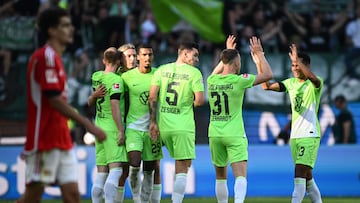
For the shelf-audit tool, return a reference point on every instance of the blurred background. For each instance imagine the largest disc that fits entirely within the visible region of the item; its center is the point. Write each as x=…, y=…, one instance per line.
x=329, y=30
x=318, y=27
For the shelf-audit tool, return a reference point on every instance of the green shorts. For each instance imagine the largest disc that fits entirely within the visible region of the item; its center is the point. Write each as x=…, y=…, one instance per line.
x=304, y=150
x=180, y=144
x=224, y=149
x=108, y=151
x=140, y=141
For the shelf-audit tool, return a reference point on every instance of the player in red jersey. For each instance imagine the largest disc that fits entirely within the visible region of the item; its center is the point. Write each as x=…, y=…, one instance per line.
x=48, y=149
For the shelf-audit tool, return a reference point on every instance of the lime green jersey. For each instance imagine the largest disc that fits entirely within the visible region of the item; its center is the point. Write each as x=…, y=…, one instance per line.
x=226, y=95
x=138, y=86
x=176, y=96
x=114, y=85
x=305, y=101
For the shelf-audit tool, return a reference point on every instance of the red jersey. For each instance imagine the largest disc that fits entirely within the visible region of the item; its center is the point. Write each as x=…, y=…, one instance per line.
x=46, y=127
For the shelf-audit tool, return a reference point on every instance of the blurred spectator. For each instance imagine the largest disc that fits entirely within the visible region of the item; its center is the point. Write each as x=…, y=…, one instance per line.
x=353, y=53
x=344, y=127
x=284, y=135
x=5, y=61
x=148, y=26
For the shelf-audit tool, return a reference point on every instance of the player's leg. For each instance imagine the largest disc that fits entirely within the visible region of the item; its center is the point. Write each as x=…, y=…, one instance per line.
x=304, y=152
x=219, y=159
x=68, y=178
x=238, y=156
x=221, y=188
x=157, y=187
x=121, y=189
x=70, y=192
x=134, y=147
x=115, y=156
x=152, y=152
x=148, y=181
x=41, y=168
x=97, y=189
x=33, y=193
x=312, y=189
x=184, y=152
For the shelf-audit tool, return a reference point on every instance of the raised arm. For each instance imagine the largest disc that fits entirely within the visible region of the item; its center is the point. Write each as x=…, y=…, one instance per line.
x=262, y=65
x=305, y=69
x=230, y=44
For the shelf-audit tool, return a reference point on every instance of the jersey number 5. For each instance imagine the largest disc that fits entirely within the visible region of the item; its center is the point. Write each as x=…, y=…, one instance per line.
x=172, y=100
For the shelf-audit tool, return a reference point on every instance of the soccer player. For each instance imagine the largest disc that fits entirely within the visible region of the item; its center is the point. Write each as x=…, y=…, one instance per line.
x=304, y=90
x=175, y=89
x=111, y=154
x=227, y=137
x=138, y=143
x=49, y=149
x=128, y=53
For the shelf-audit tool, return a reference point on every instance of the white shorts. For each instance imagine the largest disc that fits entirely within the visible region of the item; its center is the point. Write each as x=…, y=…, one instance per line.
x=52, y=167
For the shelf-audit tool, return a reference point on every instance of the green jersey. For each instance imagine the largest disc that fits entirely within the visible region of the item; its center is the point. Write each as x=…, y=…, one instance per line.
x=114, y=85
x=305, y=100
x=176, y=96
x=226, y=94
x=138, y=86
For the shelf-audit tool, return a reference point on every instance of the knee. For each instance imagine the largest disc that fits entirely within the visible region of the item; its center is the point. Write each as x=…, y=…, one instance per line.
x=97, y=191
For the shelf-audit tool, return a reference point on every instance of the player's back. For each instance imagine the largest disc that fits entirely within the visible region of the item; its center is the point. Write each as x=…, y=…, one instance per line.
x=226, y=93
x=114, y=85
x=177, y=86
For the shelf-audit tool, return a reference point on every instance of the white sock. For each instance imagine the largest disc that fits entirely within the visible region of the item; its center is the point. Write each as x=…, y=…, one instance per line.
x=135, y=183
x=119, y=197
x=240, y=188
x=179, y=188
x=146, y=186
x=313, y=191
x=299, y=190
x=111, y=184
x=221, y=191
x=156, y=193
x=97, y=189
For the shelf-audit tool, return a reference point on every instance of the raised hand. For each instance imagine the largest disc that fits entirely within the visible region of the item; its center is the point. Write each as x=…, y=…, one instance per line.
x=255, y=45
x=230, y=42
x=293, y=53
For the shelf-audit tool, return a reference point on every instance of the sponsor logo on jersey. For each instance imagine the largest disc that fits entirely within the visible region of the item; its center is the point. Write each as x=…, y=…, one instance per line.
x=51, y=76
x=116, y=86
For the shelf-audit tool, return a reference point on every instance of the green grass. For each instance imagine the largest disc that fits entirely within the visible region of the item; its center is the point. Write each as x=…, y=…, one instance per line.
x=213, y=200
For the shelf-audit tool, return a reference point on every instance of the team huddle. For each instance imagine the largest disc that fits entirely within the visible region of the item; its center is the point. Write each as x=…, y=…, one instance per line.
x=140, y=109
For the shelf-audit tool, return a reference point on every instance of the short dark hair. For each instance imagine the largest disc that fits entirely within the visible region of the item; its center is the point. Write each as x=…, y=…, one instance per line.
x=50, y=18
x=305, y=58
x=228, y=55
x=188, y=45
x=340, y=98
x=143, y=46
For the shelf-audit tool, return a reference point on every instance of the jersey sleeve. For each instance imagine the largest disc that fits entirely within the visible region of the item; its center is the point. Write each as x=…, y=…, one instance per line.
x=198, y=82
x=117, y=86
x=156, y=80
x=47, y=72
x=247, y=80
